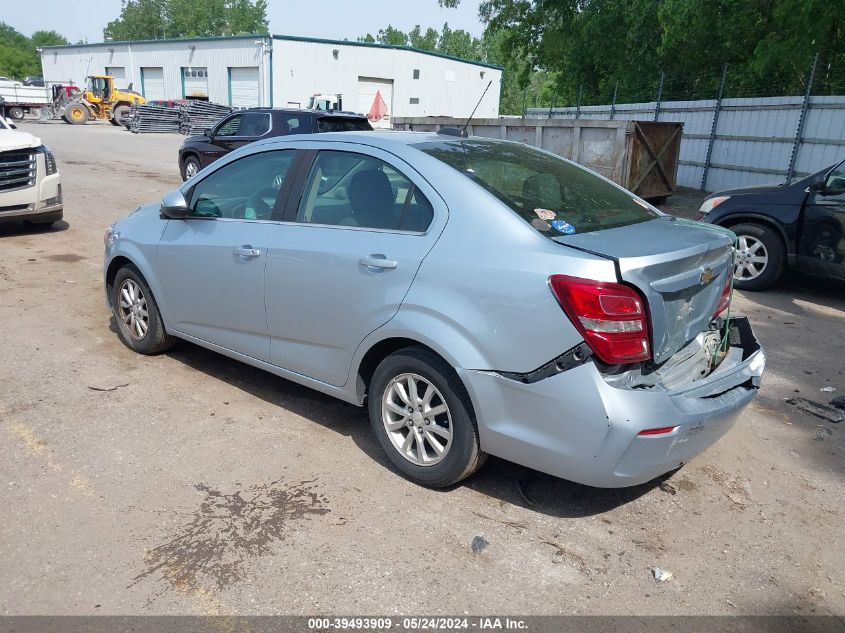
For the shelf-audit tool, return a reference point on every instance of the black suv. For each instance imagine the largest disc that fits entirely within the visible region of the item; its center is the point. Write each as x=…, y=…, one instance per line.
x=247, y=126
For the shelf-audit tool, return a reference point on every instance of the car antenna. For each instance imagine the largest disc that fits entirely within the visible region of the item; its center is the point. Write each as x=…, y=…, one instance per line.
x=464, y=128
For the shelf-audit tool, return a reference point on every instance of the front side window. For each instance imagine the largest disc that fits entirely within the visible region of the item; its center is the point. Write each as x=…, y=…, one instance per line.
x=347, y=189
x=554, y=196
x=229, y=127
x=245, y=189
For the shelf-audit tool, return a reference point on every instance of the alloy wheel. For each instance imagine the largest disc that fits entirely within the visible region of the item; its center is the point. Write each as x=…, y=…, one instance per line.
x=417, y=420
x=191, y=169
x=751, y=258
x=132, y=310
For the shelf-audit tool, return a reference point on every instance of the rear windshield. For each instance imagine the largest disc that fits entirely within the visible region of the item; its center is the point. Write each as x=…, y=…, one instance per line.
x=554, y=196
x=339, y=124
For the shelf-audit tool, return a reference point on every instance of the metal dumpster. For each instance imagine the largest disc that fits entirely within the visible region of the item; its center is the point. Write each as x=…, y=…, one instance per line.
x=642, y=156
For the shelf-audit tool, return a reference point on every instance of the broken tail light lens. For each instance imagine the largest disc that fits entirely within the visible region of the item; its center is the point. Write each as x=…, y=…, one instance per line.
x=611, y=317
x=725, y=298
x=663, y=430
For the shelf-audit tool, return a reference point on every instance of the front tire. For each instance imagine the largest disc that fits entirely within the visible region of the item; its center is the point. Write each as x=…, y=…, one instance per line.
x=77, y=115
x=139, y=322
x=190, y=167
x=423, y=419
x=760, y=256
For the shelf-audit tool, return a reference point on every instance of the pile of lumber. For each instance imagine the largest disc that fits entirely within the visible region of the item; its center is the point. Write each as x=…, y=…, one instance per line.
x=198, y=116
x=191, y=117
x=144, y=119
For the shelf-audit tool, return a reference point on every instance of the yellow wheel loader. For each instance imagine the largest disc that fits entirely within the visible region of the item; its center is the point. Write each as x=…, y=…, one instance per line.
x=101, y=101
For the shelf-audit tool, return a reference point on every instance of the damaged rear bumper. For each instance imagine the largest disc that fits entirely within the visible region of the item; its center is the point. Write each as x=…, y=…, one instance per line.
x=577, y=426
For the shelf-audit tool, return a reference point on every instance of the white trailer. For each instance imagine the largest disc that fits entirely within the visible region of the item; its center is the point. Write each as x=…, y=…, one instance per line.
x=16, y=100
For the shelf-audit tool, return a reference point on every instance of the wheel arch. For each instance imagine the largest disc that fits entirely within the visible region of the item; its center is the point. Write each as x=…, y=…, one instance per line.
x=380, y=349
x=138, y=261
x=755, y=218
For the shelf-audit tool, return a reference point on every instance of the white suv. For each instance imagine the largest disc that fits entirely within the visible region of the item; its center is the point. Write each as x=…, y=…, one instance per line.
x=30, y=184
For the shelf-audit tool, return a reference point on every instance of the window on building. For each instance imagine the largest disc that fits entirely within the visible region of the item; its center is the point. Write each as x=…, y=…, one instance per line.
x=416, y=73
x=415, y=100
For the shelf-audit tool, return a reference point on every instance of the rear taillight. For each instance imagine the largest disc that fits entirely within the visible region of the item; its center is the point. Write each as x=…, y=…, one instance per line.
x=725, y=299
x=611, y=317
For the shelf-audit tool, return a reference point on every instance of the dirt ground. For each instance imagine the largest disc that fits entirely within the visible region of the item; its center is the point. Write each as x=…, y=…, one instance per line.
x=188, y=483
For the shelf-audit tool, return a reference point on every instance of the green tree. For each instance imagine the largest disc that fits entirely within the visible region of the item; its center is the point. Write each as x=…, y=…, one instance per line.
x=457, y=43
x=157, y=19
x=425, y=41
x=48, y=38
x=139, y=20
x=391, y=35
x=592, y=47
x=19, y=54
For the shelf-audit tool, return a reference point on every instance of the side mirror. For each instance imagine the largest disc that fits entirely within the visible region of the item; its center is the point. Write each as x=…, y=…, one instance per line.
x=818, y=186
x=207, y=132
x=174, y=206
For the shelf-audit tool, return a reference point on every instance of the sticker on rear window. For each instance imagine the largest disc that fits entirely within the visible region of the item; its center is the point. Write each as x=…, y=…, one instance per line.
x=563, y=227
x=545, y=214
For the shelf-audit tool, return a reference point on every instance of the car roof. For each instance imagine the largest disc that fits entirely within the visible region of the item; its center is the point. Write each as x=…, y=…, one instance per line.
x=341, y=113
x=387, y=139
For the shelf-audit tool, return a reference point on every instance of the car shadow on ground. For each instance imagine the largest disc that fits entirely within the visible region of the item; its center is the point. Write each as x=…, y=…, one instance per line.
x=501, y=480
x=12, y=229
x=794, y=286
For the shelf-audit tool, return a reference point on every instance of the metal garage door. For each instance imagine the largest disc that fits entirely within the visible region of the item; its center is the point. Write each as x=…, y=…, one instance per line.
x=119, y=74
x=243, y=87
x=375, y=99
x=152, y=83
x=195, y=82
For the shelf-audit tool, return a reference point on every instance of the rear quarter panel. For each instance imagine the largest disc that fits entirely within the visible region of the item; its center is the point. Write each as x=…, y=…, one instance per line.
x=481, y=296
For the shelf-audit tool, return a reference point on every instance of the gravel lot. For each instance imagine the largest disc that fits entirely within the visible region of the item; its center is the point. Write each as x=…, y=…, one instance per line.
x=189, y=483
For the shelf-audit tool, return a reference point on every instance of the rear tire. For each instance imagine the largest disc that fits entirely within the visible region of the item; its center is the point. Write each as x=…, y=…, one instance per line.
x=761, y=256
x=15, y=113
x=446, y=420
x=119, y=115
x=133, y=302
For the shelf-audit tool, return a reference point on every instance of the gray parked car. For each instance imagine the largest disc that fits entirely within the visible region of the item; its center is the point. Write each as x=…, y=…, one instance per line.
x=479, y=296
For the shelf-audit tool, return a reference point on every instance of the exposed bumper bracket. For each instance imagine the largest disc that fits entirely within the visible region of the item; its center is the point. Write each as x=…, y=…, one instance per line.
x=573, y=357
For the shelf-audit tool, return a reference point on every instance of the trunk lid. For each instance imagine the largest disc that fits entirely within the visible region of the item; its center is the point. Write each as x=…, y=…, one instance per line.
x=679, y=266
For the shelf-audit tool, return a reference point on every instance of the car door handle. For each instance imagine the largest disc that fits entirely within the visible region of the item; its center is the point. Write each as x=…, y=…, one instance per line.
x=247, y=251
x=377, y=261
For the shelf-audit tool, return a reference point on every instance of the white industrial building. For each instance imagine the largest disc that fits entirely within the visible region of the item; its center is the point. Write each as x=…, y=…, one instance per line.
x=285, y=71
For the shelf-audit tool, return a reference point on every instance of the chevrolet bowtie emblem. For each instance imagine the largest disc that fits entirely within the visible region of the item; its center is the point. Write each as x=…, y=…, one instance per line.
x=706, y=277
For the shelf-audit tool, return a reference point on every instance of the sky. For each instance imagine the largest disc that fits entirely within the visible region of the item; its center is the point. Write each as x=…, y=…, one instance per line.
x=332, y=19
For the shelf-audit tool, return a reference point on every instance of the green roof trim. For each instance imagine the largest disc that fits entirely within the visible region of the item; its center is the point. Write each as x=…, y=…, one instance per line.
x=318, y=40
x=290, y=38
x=174, y=39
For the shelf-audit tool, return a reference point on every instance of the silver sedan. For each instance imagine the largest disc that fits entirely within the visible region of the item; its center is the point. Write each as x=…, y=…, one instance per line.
x=478, y=296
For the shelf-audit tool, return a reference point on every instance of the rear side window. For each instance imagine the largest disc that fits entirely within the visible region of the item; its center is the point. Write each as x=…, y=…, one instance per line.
x=339, y=124
x=254, y=124
x=296, y=125
x=556, y=197
x=348, y=189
